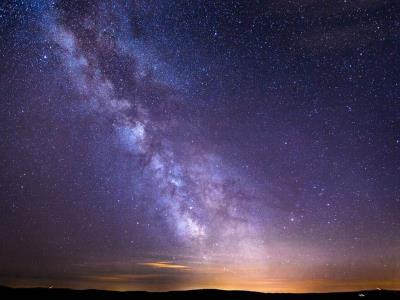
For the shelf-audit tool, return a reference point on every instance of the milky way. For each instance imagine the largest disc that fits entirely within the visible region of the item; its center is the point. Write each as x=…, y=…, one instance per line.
x=160, y=145
x=193, y=192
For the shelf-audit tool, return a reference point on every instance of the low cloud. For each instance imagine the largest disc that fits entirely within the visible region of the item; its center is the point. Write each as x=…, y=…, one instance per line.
x=163, y=265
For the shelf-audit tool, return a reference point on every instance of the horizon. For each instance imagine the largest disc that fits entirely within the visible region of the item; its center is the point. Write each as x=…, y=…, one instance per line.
x=194, y=290
x=171, y=145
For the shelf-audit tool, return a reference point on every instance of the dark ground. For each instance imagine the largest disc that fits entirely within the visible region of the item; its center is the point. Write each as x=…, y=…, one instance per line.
x=42, y=293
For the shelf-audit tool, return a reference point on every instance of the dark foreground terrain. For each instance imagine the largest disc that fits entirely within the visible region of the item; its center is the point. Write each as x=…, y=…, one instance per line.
x=42, y=293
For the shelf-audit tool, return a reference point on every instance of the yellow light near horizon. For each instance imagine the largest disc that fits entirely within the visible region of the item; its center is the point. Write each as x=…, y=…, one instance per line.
x=163, y=265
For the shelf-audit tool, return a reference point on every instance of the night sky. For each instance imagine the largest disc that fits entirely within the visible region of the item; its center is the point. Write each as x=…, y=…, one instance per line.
x=163, y=145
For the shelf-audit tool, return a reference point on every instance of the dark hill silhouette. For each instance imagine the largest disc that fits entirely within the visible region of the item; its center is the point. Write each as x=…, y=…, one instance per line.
x=43, y=293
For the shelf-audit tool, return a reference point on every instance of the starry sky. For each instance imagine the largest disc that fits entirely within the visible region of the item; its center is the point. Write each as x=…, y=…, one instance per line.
x=168, y=145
